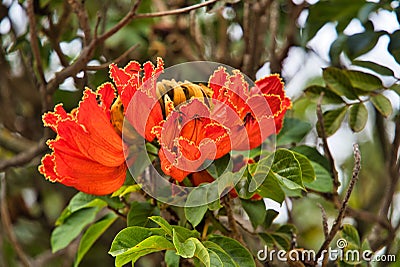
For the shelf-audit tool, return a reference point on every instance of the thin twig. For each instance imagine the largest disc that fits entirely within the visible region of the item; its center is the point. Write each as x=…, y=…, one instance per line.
x=337, y=224
x=81, y=13
x=7, y=226
x=324, y=220
x=34, y=42
x=175, y=11
x=231, y=219
x=334, y=172
x=116, y=61
x=25, y=156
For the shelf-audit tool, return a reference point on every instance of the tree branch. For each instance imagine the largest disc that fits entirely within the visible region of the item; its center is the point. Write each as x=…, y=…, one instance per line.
x=25, y=156
x=327, y=151
x=7, y=226
x=337, y=224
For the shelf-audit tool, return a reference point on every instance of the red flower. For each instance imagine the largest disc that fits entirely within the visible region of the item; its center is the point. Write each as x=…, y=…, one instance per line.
x=252, y=114
x=138, y=85
x=188, y=137
x=194, y=123
x=87, y=152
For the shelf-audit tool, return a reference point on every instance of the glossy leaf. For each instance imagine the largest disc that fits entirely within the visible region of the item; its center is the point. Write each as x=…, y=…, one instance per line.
x=307, y=170
x=358, y=117
x=394, y=45
x=163, y=224
x=329, y=96
x=293, y=131
x=149, y=245
x=380, y=69
x=340, y=11
x=196, y=205
x=360, y=43
x=338, y=82
x=171, y=258
x=240, y=255
x=323, y=182
x=218, y=257
x=65, y=233
x=271, y=189
x=130, y=237
x=287, y=168
x=350, y=234
x=395, y=87
x=140, y=212
x=191, y=247
x=337, y=48
x=126, y=189
x=382, y=104
x=256, y=211
x=92, y=234
x=312, y=154
x=332, y=120
x=270, y=217
x=364, y=81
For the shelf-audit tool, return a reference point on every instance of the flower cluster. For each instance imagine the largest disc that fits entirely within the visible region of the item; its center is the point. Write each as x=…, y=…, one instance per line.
x=190, y=123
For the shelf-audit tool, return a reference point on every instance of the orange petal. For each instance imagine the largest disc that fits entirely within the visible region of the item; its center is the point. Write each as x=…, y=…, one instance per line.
x=47, y=168
x=217, y=81
x=271, y=84
x=106, y=91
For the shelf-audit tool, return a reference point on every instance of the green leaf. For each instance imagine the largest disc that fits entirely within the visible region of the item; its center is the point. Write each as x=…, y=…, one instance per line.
x=271, y=189
x=82, y=201
x=92, y=234
x=278, y=240
x=394, y=45
x=382, y=104
x=395, y=87
x=312, y=154
x=139, y=213
x=130, y=237
x=293, y=131
x=364, y=81
x=374, y=67
x=65, y=233
x=340, y=11
x=191, y=247
x=287, y=169
x=126, y=189
x=218, y=257
x=240, y=255
x=171, y=258
x=270, y=217
x=149, y=245
x=307, y=170
x=332, y=121
x=256, y=211
x=323, y=182
x=329, y=96
x=358, y=117
x=195, y=214
x=337, y=48
x=163, y=224
x=184, y=233
x=219, y=166
x=350, y=234
x=338, y=82
x=184, y=249
x=197, y=205
x=360, y=43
